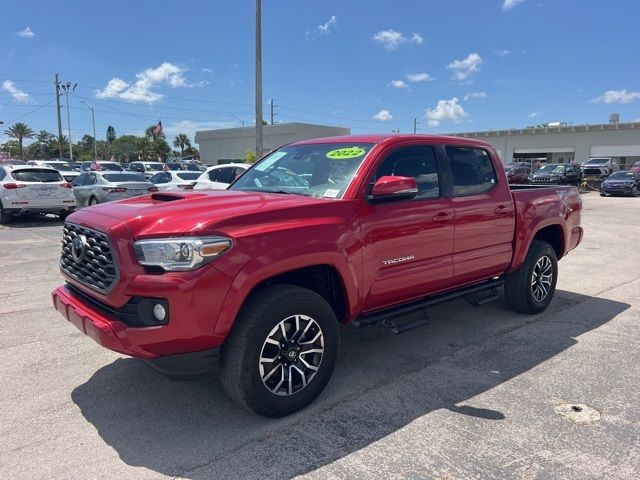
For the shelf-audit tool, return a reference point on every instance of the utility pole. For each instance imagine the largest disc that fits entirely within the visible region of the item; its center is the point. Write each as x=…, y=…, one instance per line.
x=95, y=140
x=415, y=124
x=272, y=110
x=57, y=82
x=259, y=137
x=66, y=87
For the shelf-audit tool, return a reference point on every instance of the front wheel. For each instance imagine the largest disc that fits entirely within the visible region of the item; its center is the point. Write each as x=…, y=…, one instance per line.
x=281, y=352
x=5, y=217
x=531, y=288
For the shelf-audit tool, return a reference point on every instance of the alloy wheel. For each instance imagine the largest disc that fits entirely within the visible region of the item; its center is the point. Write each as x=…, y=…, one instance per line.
x=291, y=355
x=542, y=278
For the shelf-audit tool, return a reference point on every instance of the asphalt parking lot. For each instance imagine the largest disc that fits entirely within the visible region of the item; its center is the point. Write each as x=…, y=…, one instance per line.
x=477, y=393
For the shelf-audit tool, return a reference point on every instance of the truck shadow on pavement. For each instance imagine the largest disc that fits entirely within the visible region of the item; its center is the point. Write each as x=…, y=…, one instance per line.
x=382, y=383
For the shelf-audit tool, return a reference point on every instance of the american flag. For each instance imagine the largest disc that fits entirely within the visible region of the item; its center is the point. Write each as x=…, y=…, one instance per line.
x=158, y=129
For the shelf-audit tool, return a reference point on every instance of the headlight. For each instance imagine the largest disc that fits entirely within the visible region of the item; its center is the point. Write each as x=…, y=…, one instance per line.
x=180, y=254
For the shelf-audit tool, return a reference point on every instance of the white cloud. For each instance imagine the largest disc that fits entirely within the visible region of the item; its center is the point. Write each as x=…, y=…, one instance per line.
x=534, y=114
x=26, y=33
x=475, y=95
x=504, y=52
x=17, y=94
x=383, y=115
x=190, y=127
x=398, y=84
x=509, y=4
x=463, y=68
x=142, y=90
x=617, y=96
x=331, y=24
x=206, y=70
x=392, y=39
x=446, y=111
x=419, y=77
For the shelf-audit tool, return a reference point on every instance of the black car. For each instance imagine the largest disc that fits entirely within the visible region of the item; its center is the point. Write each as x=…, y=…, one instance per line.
x=621, y=183
x=557, y=174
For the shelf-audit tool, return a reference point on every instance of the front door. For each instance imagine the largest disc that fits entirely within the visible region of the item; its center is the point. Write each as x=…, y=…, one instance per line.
x=407, y=244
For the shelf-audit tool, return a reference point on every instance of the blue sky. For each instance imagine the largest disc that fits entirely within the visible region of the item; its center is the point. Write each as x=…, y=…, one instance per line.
x=370, y=65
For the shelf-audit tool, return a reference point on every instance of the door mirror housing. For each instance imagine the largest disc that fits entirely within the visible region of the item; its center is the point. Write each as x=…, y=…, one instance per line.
x=393, y=187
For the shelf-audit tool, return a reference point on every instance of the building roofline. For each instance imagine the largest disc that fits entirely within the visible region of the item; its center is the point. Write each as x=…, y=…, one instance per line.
x=598, y=127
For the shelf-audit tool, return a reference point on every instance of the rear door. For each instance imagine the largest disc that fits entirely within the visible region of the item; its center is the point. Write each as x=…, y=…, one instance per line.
x=484, y=216
x=407, y=244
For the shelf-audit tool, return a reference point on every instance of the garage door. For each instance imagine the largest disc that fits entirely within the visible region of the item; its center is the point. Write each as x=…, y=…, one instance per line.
x=616, y=151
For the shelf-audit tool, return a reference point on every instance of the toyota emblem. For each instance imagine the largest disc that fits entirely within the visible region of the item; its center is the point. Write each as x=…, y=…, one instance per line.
x=79, y=248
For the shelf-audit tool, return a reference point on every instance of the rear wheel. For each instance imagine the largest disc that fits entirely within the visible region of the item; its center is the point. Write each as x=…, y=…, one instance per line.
x=93, y=201
x=5, y=217
x=531, y=288
x=281, y=352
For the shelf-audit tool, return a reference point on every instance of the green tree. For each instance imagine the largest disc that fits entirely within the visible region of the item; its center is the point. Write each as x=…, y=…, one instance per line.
x=124, y=147
x=250, y=156
x=111, y=134
x=181, y=141
x=41, y=147
x=19, y=131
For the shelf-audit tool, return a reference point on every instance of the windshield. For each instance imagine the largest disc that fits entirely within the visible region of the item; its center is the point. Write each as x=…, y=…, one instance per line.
x=188, y=175
x=597, y=161
x=317, y=170
x=37, y=175
x=110, y=166
x=154, y=167
x=551, y=169
x=64, y=167
x=123, y=177
x=192, y=167
x=621, y=176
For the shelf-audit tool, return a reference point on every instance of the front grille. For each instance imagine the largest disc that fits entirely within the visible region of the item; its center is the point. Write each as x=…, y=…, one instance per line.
x=592, y=171
x=97, y=270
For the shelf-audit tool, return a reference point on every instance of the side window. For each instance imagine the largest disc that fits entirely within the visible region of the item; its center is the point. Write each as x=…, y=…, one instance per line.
x=92, y=179
x=472, y=171
x=226, y=175
x=79, y=180
x=212, y=174
x=2, y=174
x=416, y=162
x=160, y=177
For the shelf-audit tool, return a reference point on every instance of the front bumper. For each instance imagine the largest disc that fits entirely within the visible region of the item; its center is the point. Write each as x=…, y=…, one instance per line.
x=616, y=191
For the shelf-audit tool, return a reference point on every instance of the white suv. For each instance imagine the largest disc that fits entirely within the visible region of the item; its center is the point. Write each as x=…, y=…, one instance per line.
x=28, y=189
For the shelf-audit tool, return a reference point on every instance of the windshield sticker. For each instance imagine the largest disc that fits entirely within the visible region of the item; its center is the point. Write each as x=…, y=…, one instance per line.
x=344, y=153
x=270, y=160
x=331, y=193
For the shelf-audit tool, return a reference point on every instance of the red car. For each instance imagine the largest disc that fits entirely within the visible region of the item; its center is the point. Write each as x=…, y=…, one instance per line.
x=517, y=174
x=360, y=229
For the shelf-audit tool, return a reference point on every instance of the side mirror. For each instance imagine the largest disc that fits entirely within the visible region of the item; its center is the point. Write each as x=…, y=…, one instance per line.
x=392, y=187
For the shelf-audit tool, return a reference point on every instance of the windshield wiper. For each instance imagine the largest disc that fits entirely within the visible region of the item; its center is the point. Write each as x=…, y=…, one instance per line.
x=280, y=191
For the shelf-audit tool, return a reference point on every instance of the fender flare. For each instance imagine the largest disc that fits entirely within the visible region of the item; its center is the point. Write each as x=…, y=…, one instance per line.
x=523, y=244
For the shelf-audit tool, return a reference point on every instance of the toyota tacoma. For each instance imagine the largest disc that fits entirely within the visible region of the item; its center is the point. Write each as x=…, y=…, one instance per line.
x=369, y=229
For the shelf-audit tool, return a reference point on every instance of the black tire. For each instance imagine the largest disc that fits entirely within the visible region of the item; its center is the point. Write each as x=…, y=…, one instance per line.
x=5, y=217
x=519, y=289
x=603, y=194
x=92, y=201
x=240, y=354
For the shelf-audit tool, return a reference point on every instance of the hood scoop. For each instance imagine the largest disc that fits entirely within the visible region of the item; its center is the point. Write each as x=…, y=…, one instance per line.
x=166, y=197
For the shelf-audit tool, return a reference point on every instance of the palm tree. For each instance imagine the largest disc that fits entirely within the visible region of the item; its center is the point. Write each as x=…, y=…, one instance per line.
x=19, y=131
x=182, y=141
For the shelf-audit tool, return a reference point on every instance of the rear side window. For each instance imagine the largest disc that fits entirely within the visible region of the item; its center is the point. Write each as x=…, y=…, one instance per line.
x=80, y=180
x=416, y=162
x=2, y=173
x=37, y=175
x=472, y=171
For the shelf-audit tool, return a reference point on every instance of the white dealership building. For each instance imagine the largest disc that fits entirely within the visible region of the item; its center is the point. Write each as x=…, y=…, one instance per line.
x=231, y=144
x=565, y=143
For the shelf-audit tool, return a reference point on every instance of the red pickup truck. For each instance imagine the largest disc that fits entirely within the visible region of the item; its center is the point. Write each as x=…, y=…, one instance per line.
x=369, y=229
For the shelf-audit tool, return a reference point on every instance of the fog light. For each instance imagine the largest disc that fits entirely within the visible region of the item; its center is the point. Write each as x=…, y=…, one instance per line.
x=159, y=312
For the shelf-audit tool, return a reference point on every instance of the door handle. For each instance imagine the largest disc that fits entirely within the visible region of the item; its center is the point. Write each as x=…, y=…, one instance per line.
x=502, y=210
x=443, y=217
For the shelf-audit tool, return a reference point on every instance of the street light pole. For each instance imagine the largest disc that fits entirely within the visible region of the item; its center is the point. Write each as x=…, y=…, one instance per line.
x=95, y=140
x=239, y=119
x=259, y=137
x=66, y=87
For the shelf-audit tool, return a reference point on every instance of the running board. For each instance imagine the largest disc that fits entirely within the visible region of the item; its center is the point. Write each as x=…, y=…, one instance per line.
x=406, y=317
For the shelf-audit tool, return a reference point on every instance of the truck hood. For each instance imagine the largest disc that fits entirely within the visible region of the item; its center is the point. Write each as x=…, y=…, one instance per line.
x=171, y=214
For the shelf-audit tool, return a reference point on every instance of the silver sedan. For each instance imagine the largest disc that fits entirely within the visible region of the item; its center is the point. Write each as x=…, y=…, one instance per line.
x=92, y=188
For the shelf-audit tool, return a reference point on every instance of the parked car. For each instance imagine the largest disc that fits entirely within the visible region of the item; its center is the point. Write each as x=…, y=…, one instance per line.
x=146, y=169
x=557, y=174
x=65, y=168
x=26, y=189
x=188, y=166
x=517, y=173
x=219, y=177
x=11, y=162
x=102, y=165
x=636, y=167
x=600, y=167
x=383, y=227
x=175, y=180
x=621, y=183
x=91, y=188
